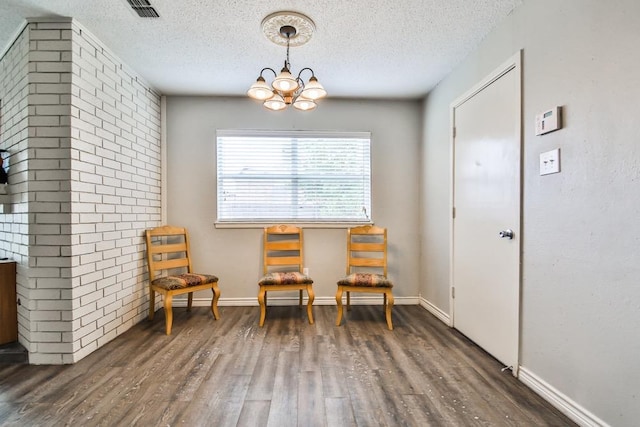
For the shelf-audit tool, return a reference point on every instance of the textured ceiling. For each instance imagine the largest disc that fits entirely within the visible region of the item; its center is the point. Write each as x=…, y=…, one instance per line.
x=361, y=48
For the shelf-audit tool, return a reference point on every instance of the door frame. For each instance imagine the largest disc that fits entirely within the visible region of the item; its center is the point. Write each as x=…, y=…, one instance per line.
x=513, y=63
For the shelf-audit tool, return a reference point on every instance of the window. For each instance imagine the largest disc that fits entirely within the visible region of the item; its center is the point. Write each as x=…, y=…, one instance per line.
x=293, y=176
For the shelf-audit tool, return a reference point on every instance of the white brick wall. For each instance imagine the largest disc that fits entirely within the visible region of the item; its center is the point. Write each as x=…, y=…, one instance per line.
x=91, y=184
x=50, y=201
x=115, y=151
x=14, y=113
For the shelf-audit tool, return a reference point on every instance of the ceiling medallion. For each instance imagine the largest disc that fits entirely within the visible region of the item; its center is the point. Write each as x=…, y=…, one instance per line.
x=304, y=26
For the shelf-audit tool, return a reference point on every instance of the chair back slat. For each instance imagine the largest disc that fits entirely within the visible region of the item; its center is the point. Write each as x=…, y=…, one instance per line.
x=167, y=230
x=283, y=260
x=169, y=248
x=366, y=262
x=367, y=230
x=367, y=247
x=283, y=247
x=171, y=263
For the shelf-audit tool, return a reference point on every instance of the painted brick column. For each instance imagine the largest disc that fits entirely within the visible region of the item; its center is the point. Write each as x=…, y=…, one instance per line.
x=50, y=240
x=115, y=183
x=84, y=134
x=14, y=132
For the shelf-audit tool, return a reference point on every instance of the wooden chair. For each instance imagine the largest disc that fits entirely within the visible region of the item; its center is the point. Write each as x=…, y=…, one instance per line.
x=366, y=252
x=168, y=252
x=283, y=264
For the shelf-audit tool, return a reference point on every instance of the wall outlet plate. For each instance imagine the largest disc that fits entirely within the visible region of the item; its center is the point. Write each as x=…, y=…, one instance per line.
x=550, y=162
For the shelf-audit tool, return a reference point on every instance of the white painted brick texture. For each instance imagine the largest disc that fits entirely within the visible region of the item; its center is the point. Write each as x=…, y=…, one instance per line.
x=14, y=224
x=115, y=150
x=49, y=191
x=84, y=133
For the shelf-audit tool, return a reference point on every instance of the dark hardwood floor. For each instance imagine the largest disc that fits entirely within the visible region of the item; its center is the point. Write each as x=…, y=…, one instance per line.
x=230, y=372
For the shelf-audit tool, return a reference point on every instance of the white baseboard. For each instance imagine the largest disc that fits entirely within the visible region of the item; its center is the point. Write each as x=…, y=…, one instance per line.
x=272, y=300
x=444, y=317
x=376, y=300
x=563, y=403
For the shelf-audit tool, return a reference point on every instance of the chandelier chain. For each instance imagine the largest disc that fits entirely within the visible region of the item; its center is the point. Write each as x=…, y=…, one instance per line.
x=288, y=63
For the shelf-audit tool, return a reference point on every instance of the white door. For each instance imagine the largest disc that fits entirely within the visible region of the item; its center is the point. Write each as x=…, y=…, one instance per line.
x=486, y=199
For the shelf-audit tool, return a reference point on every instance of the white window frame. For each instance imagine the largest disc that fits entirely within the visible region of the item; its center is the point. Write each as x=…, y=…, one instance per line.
x=230, y=222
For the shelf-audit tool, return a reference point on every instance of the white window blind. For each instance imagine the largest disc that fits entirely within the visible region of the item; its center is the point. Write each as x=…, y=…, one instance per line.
x=293, y=176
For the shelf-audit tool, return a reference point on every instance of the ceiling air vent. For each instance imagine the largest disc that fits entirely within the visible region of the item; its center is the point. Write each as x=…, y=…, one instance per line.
x=143, y=8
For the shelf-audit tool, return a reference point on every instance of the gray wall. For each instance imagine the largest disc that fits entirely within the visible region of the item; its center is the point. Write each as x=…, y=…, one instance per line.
x=235, y=254
x=581, y=244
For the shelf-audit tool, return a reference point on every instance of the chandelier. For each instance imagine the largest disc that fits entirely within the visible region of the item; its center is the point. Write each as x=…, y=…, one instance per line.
x=287, y=29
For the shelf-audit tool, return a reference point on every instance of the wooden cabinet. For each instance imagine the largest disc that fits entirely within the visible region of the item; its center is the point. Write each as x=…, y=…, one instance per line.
x=8, y=305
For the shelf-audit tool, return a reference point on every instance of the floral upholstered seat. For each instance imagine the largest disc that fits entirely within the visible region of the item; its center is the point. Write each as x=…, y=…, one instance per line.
x=371, y=280
x=285, y=278
x=183, y=281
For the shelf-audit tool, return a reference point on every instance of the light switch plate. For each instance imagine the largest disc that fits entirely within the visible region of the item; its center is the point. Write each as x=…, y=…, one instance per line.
x=550, y=162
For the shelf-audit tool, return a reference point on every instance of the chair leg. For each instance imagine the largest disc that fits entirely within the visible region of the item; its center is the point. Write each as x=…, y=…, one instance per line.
x=189, y=301
x=387, y=308
x=214, y=301
x=152, y=303
x=348, y=301
x=262, y=300
x=300, y=301
x=339, y=302
x=168, y=312
x=309, y=303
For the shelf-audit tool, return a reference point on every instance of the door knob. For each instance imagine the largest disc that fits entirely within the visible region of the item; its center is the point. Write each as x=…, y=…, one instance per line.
x=508, y=233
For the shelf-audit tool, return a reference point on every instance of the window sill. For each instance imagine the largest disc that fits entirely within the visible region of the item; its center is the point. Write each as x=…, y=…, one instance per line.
x=298, y=224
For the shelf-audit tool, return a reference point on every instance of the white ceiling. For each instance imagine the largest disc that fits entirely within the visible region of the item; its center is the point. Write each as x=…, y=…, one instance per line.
x=361, y=48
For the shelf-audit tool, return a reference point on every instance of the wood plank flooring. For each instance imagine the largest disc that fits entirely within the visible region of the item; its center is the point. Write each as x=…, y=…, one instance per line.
x=230, y=372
